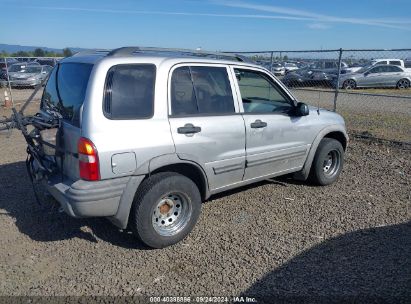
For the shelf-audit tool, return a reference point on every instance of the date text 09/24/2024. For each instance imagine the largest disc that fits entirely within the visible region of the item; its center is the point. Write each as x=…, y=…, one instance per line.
x=202, y=300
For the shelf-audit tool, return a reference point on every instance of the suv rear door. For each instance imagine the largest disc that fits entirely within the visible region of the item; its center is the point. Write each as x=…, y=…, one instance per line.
x=205, y=123
x=277, y=141
x=65, y=93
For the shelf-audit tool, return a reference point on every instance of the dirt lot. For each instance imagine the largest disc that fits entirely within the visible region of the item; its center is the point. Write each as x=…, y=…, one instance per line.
x=277, y=238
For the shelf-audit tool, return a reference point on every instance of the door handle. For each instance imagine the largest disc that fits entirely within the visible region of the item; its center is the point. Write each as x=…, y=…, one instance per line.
x=258, y=124
x=188, y=129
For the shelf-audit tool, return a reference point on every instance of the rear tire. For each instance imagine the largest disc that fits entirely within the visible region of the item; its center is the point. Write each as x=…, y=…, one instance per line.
x=403, y=84
x=328, y=162
x=165, y=209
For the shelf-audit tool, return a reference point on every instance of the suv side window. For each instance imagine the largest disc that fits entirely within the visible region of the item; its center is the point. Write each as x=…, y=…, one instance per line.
x=201, y=90
x=378, y=69
x=129, y=91
x=260, y=94
x=396, y=62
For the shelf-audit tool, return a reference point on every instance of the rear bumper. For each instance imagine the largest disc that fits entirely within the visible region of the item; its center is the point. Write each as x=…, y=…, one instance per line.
x=88, y=199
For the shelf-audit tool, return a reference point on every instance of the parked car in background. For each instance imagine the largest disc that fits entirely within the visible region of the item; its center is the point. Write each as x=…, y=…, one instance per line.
x=30, y=75
x=26, y=59
x=47, y=61
x=398, y=62
x=289, y=66
x=352, y=68
x=278, y=69
x=6, y=62
x=328, y=66
x=14, y=68
x=376, y=76
x=308, y=77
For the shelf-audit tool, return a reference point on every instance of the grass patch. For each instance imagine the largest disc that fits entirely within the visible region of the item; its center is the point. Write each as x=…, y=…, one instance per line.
x=390, y=126
x=388, y=91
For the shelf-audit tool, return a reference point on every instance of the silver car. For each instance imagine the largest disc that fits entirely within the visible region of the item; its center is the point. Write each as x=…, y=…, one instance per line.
x=375, y=76
x=26, y=75
x=146, y=136
x=278, y=69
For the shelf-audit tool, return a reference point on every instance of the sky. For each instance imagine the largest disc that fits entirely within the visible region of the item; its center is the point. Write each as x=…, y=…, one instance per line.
x=220, y=25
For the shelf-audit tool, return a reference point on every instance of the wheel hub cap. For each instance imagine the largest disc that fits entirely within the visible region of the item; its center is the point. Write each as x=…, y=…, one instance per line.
x=331, y=163
x=171, y=214
x=165, y=208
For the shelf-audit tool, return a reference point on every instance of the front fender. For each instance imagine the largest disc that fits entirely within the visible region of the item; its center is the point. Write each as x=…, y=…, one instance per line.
x=305, y=171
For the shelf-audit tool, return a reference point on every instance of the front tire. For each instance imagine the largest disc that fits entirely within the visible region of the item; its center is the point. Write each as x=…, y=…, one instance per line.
x=349, y=84
x=328, y=162
x=165, y=209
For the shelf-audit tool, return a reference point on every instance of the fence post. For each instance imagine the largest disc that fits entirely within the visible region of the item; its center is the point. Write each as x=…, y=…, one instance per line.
x=337, y=86
x=8, y=81
x=271, y=62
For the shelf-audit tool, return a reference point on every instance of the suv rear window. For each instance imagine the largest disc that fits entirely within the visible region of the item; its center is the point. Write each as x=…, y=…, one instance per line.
x=66, y=89
x=129, y=91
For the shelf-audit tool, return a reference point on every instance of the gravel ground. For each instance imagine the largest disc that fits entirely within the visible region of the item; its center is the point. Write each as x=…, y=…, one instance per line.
x=276, y=239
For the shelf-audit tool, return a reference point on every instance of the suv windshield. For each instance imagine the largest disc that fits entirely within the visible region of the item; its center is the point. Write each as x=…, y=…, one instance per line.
x=31, y=69
x=16, y=68
x=364, y=69
x=66, y=89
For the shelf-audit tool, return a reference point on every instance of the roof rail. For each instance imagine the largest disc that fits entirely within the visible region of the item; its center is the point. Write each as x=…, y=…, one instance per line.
x=127, y=51
x=92, y=52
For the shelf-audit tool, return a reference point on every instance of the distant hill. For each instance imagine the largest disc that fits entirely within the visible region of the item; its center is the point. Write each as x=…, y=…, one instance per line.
x=12, y=48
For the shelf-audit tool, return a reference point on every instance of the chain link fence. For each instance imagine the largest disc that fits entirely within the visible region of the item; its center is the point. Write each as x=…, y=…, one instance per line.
x=370, y=88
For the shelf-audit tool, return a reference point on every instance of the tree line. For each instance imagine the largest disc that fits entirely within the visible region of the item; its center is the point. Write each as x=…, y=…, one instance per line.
x=39, y=52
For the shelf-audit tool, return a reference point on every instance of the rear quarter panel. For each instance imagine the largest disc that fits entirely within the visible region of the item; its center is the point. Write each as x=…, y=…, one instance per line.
x=146, y=138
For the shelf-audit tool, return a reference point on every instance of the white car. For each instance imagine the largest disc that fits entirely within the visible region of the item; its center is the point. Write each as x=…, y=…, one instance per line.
x=288, y=66
x=278, y=69
x=398, y=62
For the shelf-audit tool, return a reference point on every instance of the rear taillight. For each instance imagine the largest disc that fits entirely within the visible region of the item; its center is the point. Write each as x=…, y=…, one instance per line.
x=88, y=160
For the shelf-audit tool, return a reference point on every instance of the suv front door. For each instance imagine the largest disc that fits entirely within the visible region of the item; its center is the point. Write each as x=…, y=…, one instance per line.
x=205, y=122
x=277, y=141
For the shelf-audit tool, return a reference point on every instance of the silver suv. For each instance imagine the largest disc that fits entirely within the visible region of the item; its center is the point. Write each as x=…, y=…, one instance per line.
x=146, y=135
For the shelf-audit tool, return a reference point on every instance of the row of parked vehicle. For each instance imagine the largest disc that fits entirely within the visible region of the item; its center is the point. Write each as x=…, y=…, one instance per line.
x=26, y=72
x=375, y=73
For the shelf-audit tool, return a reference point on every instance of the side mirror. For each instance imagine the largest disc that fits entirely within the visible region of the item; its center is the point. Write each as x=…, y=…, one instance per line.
x=302, y=109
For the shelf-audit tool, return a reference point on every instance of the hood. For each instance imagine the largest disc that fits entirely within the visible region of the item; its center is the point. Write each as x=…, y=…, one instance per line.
x=349, y=75
x=18, y=75
x=327, y=115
